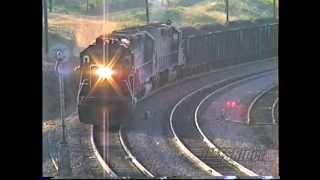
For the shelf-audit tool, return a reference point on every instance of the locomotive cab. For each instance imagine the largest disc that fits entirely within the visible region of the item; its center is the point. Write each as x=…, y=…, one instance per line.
x=103, y=95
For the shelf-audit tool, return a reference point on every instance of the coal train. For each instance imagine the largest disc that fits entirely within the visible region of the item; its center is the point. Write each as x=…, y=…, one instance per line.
x=121, y=67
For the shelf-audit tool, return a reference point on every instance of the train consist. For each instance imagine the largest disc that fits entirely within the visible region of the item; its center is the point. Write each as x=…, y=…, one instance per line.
x=121, y=67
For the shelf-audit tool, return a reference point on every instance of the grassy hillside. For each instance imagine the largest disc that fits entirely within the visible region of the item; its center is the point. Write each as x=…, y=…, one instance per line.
x=94, y=7
x=82, y=29
x=194, y=13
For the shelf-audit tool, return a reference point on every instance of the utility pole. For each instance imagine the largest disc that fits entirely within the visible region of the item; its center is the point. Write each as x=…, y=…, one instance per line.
x=45, y=16
x=64, y=164
x=227, y=10
x=147, y=11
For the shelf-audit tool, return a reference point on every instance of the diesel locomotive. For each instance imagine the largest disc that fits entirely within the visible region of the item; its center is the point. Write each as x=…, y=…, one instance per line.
x=118, y=68
x=121, y=67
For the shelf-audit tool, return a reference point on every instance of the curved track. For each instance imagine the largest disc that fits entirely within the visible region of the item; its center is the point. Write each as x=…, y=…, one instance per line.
x=115, y=154
x=261, y=110
x=188, y=135
x=52, y=151
x=227, y=128
x=151, y=141
x=275, y=107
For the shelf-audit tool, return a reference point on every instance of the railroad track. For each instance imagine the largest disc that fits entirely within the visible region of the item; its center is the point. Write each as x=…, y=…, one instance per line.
x=190, y=140
x=51, y=148
x=262, y=119
x=275, y=116
x=118, y=161
x=52, y=154
x=262, y=109
x=129, y=160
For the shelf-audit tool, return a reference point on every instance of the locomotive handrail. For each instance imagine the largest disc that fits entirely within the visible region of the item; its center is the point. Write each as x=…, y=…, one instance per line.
x=79, y=88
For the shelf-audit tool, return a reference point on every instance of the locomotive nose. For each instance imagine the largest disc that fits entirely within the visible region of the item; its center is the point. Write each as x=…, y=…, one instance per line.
x=104, y=72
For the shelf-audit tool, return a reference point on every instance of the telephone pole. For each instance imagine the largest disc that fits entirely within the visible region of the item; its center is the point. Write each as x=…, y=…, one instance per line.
x=147, y=11
x=227, y=10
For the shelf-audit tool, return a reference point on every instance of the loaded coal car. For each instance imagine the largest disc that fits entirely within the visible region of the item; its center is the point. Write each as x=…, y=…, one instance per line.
x=230, y=43
x=121, y=67
x=216, y=45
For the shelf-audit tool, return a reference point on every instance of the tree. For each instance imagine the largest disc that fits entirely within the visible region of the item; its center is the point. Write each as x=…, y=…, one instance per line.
x=87, y=6
x=99, y=2
x=50, y=5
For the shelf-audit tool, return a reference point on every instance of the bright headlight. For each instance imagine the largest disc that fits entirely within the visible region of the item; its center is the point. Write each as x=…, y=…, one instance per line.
x=104, y=72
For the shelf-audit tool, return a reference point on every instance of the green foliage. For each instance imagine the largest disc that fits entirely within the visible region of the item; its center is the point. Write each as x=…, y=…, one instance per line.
x=99, y=2
x=187, y=2
x=266, y=2
x=125, y=4
x=173, y=14
x=79, y=7
x=68, y=7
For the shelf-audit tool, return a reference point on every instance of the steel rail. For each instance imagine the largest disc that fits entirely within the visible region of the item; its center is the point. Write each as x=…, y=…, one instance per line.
x=133, y=158
x=210, y=143
x=254, y=101
x=273, y=110
x=179, y=142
